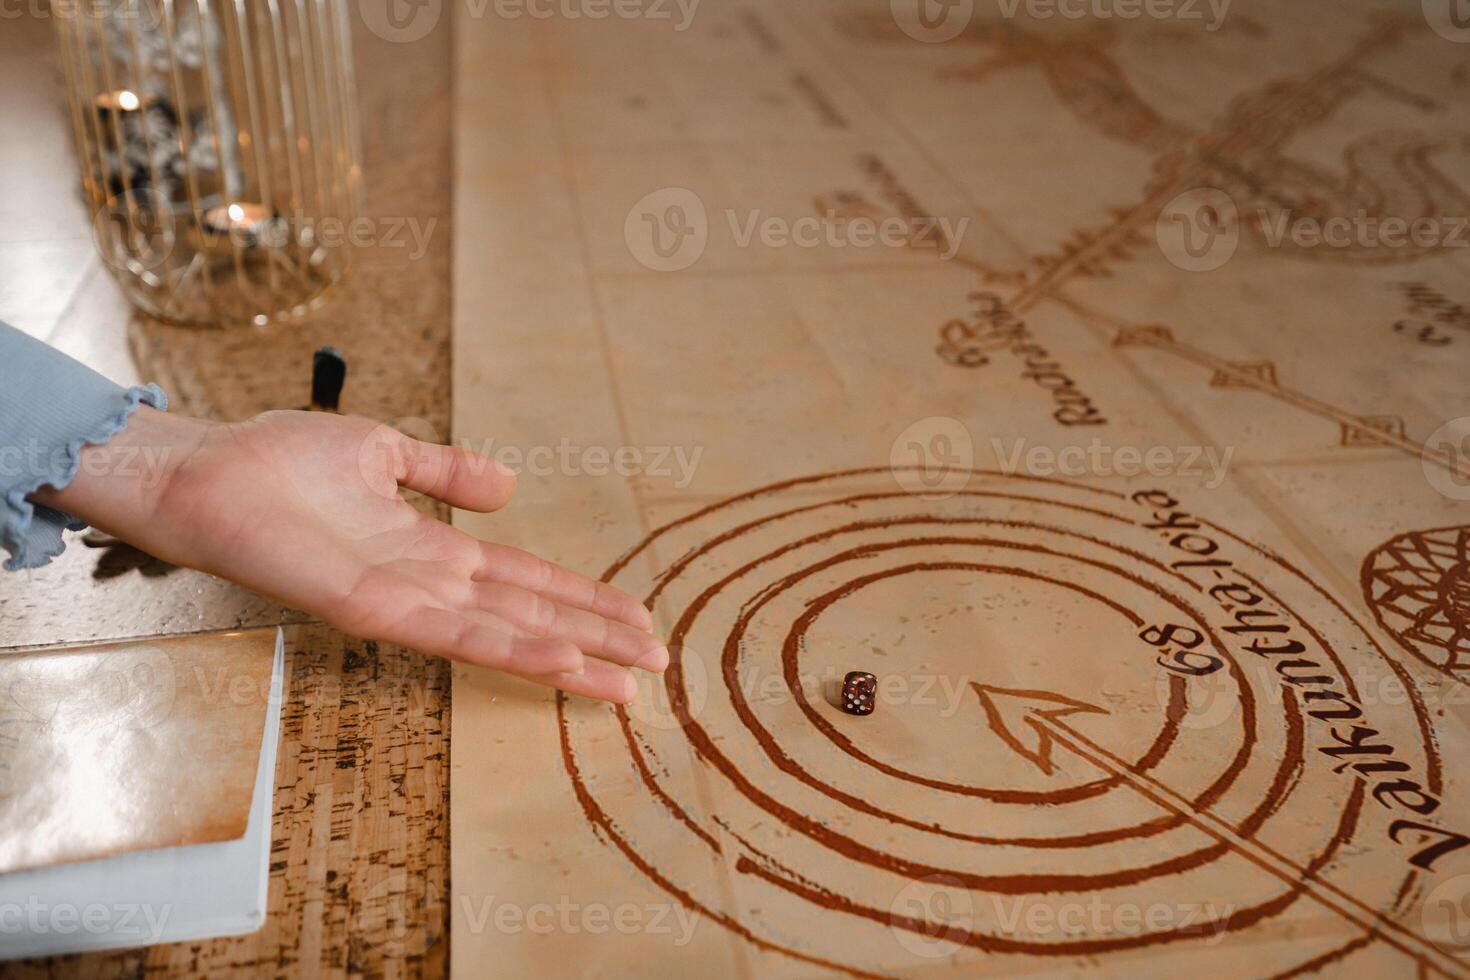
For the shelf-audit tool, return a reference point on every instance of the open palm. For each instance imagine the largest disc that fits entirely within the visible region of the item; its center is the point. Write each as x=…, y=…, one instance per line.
x=307, y=508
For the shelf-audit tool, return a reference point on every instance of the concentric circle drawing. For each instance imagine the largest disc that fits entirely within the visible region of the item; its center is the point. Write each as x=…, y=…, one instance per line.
x=1024, y=753
x=1418, y=586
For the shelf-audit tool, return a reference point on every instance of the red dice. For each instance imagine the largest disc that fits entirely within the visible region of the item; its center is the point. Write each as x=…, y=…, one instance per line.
x=859, y=693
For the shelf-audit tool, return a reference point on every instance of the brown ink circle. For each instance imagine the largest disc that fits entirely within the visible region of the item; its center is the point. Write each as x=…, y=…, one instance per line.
x=746, y=858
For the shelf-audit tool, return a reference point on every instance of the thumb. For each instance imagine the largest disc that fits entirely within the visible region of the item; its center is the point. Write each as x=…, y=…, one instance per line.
x=459, y=477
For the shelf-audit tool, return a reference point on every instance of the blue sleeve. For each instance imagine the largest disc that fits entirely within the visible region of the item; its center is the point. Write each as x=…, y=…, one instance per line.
x=50, y=407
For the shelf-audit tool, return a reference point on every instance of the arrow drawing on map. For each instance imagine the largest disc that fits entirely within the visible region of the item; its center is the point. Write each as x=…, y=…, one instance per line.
x=1032, y=724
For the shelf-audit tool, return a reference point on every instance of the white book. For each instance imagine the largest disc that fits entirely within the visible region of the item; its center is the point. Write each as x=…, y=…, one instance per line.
x=110, y=750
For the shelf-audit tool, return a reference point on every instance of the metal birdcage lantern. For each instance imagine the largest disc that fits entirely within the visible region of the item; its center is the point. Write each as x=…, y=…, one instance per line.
x=218, y=147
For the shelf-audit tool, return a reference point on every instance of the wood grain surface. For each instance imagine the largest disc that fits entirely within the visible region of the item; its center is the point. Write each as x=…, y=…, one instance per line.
x=359, y=869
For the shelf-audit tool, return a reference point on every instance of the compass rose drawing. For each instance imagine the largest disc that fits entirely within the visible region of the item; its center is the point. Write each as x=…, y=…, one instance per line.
x=1418, y=585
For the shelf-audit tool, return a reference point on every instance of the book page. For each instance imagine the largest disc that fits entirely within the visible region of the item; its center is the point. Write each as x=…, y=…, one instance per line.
x=127, y=746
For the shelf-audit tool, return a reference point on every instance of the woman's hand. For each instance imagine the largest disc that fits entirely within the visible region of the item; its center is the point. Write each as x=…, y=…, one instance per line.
x=305, y=508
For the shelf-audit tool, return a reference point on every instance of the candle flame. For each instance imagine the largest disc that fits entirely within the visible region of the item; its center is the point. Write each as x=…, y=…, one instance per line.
x=235, y=212
x=127, y=101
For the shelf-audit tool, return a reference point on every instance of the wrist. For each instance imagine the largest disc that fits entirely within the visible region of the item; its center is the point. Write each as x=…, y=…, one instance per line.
x=118, y=482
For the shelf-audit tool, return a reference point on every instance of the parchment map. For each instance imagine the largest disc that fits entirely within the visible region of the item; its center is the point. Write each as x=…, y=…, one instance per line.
x=1099, y=384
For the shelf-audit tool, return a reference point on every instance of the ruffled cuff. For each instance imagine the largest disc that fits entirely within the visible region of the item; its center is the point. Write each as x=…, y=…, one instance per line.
x=50, y=408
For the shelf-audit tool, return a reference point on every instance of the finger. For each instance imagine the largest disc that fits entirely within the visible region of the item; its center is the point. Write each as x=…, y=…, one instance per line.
x=595, y=635
x=516, y=567
x=601, y=680
x=484, y=641
x=456, y=476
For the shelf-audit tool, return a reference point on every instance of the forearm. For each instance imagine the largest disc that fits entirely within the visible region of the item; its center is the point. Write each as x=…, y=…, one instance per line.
x=118, y=484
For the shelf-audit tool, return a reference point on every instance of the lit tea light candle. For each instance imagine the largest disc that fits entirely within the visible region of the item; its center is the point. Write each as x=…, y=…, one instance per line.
x=244, y=221
x=123, y=100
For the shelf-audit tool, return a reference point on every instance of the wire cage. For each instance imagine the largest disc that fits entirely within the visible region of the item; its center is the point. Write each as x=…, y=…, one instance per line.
x=218, y=143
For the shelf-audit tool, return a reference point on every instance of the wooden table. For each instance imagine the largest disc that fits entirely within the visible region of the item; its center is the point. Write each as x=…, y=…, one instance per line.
x=360, y=854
